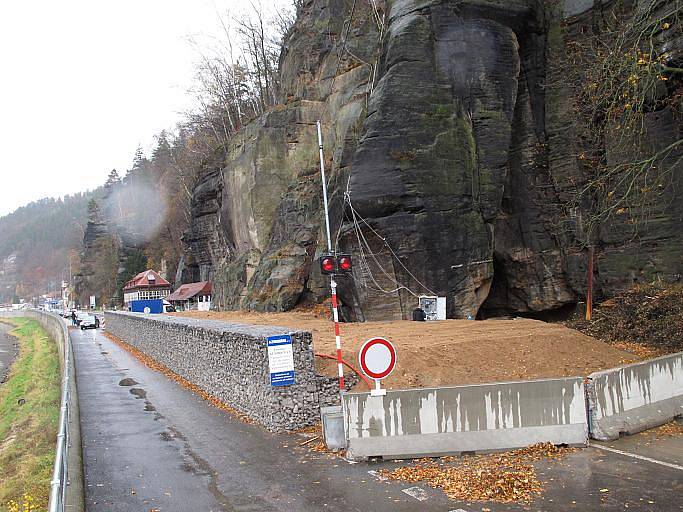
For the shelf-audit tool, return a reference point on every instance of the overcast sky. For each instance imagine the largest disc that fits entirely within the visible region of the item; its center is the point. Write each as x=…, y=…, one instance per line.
x=85, y=82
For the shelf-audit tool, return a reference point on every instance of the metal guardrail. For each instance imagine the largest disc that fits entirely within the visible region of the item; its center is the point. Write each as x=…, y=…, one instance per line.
x=66, y=486
x=60, y=474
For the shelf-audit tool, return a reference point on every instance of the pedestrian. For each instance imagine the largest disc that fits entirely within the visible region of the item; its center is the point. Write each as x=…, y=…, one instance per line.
x=73, y=318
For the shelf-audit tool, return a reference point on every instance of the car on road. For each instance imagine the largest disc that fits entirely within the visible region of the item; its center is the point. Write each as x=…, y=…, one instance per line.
x=89, y=322
x=80, y=315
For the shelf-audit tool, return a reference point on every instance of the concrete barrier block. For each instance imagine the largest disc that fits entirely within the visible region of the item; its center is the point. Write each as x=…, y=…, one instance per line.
x=633, y=398
x=478, y=418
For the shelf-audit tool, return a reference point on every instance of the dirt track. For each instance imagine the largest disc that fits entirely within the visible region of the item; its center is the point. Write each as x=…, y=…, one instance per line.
x=454, y=351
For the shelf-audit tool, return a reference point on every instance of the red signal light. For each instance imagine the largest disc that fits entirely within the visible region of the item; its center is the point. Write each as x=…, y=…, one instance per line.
x=327, y=265
x=345, y=264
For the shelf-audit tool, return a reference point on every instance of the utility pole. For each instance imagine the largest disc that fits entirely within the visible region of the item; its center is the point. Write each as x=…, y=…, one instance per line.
x=333, y=283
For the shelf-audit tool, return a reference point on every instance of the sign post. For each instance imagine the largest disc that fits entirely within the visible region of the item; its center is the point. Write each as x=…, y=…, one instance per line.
x=377, y=359
x=333, y=283
x=281, y=360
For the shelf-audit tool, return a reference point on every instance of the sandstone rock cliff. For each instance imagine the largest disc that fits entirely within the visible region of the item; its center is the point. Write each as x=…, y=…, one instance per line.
x=454, y=152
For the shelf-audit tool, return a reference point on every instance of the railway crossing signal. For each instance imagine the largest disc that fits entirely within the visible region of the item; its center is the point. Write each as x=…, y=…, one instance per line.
x=330, y=265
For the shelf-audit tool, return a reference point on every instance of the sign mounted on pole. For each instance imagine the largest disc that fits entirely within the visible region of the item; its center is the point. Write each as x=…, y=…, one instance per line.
x=281, y=360
x=377, y=359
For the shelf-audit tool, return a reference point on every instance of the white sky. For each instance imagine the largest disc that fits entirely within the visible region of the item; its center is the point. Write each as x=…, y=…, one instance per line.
x=84, y=82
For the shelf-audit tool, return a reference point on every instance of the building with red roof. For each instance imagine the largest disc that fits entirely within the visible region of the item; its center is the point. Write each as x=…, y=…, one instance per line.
x=146, y=285
x=192, y=296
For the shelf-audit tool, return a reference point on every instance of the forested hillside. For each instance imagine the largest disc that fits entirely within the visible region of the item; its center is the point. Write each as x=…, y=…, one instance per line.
x=36, y=243
x=137, y=218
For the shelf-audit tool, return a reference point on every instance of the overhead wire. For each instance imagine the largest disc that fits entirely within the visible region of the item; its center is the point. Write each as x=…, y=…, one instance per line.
x=364, y=245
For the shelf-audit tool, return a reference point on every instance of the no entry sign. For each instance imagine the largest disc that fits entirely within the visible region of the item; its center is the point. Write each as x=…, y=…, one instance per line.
x=377, y=358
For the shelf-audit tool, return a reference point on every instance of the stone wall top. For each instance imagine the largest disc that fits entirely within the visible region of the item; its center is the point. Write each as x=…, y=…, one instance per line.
x=263, y=331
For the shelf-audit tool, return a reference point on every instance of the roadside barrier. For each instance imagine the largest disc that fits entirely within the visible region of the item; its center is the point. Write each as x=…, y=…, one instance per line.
x=461, y=419
x=501, y=416
x=635, y=397
x=66, y=486
x=231, y=362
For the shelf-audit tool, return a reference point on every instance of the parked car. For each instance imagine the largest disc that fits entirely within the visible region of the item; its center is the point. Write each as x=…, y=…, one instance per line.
x=80, y=315
x=89, y=322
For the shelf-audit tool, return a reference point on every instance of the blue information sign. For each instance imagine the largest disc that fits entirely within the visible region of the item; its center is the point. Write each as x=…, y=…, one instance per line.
x=281, y=360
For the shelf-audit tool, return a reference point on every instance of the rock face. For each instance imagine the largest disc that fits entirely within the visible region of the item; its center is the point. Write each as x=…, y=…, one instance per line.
x=454, y=169
x=96, y=238
x=256, y=212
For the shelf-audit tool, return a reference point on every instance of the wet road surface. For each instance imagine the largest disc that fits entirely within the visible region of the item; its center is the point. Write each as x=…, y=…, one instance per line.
x=8, y=350
x=151, y=445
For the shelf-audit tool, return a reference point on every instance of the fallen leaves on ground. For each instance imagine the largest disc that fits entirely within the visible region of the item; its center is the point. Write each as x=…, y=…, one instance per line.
x=637, y=349
x=311, y=429
x=506, y=477
x=646, y=320
x=672, y=429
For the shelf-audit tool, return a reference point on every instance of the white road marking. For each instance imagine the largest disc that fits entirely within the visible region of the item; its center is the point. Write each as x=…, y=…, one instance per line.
x=417, y=493
x=378, y=476
x=458, y=510
x=635, y=456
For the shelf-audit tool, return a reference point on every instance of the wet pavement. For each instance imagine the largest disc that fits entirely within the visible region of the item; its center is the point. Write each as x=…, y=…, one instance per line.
x=8, y=350
x=151, y=445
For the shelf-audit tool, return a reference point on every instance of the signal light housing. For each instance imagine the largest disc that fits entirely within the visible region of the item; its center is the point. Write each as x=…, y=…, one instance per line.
x=327, y=265
x=342, y=264
x=345, y=264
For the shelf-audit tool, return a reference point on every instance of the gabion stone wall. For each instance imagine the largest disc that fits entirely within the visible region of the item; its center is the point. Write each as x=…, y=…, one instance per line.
x=230, y=362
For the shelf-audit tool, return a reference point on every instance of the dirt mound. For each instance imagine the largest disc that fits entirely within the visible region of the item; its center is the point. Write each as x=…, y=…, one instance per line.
x=649, y=316
x=452, y=352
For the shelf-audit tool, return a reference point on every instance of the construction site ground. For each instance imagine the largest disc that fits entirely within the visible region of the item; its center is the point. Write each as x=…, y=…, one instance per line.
x=453, y=352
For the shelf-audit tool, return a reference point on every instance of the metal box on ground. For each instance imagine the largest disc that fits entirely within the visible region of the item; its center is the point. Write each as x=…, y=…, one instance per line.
x=433, y=306
x=333, y=427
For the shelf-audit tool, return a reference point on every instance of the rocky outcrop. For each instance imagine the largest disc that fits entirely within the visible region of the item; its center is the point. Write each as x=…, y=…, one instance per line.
x=96, y=242
x=256, y=211
x=454, y=165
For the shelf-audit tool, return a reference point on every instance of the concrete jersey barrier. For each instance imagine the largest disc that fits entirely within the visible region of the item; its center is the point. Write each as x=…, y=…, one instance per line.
x=633, y=398
x=476, y=418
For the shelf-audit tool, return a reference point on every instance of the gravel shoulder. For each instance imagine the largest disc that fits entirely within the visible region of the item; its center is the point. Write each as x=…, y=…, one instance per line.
x=454, y=352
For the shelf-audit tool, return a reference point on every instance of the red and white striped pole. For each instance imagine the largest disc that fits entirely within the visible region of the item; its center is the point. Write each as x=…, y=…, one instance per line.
x=333, y=283
x=337, y=336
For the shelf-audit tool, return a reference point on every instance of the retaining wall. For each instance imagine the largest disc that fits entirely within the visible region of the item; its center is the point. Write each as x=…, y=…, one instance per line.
x=635, y=397
x=453, y=420
x=230, y=362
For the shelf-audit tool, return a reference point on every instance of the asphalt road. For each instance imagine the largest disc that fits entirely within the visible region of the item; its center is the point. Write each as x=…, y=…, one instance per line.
x=151, y=445
x=8, y=350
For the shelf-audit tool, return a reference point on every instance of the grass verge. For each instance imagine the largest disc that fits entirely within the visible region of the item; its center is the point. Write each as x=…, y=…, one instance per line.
x=28, y=432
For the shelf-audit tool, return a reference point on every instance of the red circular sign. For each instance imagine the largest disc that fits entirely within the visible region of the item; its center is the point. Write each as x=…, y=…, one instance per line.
x=377, y=358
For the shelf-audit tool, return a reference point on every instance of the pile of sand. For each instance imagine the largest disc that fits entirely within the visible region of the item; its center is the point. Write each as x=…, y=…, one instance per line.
x=453, y=352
